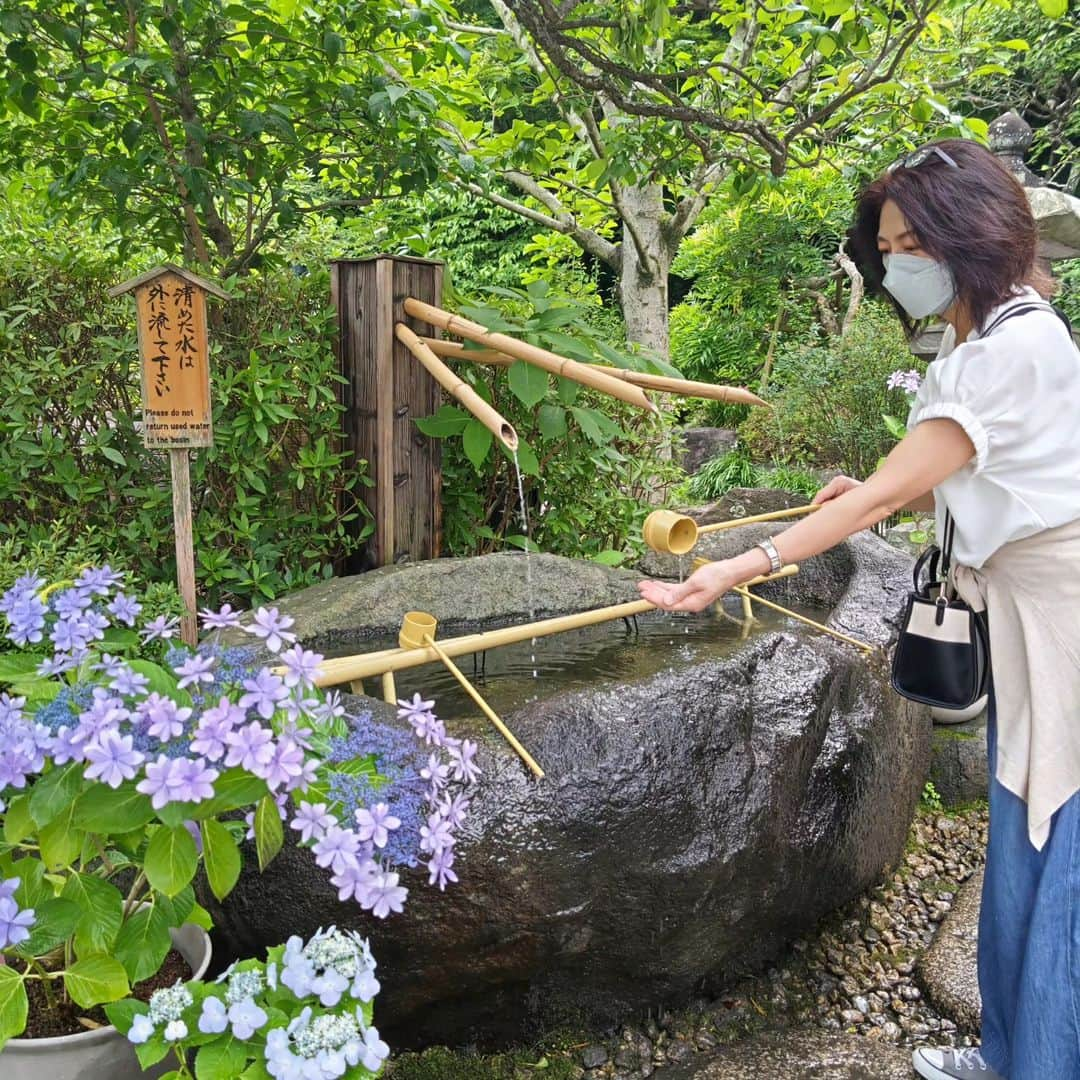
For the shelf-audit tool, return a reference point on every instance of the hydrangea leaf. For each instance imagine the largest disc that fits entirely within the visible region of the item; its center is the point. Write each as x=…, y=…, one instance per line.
x=220, y=1061
x=143, y=942
x=13, y=1004
x=18, y=824
x=171, y=859
x=233, y=789
x=268, y=832
x=54, y=922
x=55, y=792
x=221, y=857
x=107, y=810
x=95, y=980
x=101, y=912
x=60, y=840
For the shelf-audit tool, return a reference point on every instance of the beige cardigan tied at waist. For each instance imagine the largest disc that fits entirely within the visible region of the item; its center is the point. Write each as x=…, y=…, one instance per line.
x=1030, y=589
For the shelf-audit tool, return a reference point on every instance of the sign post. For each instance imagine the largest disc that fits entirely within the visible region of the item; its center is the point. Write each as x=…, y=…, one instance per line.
x=175, y=380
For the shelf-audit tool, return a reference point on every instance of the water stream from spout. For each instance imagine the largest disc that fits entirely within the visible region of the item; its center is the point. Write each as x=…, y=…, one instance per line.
x=528, y=563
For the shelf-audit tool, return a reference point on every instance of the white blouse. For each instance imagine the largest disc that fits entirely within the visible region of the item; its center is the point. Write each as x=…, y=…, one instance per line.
x=1016, y=393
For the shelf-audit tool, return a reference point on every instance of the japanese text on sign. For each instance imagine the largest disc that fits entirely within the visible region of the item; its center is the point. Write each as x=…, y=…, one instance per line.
x=175, y=369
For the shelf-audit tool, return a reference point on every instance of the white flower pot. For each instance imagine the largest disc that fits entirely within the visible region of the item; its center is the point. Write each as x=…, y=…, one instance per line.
x=103, y=1054
x=958, y=716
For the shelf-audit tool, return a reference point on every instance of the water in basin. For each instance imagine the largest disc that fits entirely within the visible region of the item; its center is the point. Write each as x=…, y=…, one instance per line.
x=619, y=651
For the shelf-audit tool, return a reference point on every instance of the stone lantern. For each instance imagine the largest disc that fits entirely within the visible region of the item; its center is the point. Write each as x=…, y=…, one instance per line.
x=1057, y=213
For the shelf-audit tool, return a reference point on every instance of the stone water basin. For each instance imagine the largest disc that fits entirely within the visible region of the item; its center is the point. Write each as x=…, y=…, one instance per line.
x=704, y=803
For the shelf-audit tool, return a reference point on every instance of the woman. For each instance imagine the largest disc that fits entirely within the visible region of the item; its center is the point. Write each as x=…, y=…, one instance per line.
x=994, y=437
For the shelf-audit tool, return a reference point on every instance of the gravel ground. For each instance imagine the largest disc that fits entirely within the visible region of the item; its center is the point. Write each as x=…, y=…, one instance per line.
x=855, y=975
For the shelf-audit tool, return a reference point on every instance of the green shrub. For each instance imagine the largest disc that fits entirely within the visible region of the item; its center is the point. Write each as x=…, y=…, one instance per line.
x=746, y=258
x=736, y=469
x=828, y=399
x=272, y=502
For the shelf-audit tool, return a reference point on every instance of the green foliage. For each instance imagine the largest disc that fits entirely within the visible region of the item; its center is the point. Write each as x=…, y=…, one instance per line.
x=1040, y=83
x=716, y=477
x=1069, y=297
x=736, y=469
x=829, y=399
x=930, y=800
x=747, y=259
x=273, y=505
x=212, y=127
x=588, y=463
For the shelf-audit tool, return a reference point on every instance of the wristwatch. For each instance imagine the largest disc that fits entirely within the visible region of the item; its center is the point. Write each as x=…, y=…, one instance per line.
x=776, y=564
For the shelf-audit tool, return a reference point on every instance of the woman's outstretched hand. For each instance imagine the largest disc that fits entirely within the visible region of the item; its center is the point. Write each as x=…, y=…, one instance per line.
x=696, y=593
x=836, y=487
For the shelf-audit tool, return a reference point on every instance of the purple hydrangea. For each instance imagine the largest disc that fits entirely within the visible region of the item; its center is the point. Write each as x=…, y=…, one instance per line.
x=312, y=821
x=194, y=670
x=224, y=619
x=112, y=759
x=264, y=693
x=908, y=381
x=251, y=747
x=124, y=608
x=15, y=925
x=272, y=628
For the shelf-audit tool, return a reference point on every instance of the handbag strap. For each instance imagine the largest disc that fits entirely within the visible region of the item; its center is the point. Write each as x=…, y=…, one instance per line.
x=1024, y=309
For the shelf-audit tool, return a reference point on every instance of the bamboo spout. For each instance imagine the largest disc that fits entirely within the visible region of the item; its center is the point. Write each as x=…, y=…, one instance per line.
x=532, y=354
x=502, y=429
x=663, y=384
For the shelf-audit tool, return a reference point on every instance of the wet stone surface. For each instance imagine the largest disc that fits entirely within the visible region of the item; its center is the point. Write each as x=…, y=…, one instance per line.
x=691, y=822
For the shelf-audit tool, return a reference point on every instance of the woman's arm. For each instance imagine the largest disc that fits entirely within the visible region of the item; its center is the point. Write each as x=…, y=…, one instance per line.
x=934, y=450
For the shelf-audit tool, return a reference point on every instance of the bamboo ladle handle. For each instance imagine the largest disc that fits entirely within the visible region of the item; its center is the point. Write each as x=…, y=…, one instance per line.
x=485, y=707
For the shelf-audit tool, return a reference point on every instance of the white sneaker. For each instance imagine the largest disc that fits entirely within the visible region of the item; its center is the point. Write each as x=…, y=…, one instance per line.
x=944, y=1064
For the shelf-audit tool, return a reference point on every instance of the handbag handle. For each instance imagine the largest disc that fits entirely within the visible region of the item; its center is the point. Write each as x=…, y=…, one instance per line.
x=938, y=558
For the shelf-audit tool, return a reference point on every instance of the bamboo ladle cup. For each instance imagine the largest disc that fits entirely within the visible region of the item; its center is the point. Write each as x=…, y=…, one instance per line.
x=418, y=632
x=675, y=534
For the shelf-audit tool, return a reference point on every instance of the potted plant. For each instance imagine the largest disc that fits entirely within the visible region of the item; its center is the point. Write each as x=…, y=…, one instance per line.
x=303, y=1012
x=130, y=766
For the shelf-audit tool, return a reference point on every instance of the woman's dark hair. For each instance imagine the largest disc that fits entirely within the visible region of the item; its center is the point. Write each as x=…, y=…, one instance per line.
x=975, y=219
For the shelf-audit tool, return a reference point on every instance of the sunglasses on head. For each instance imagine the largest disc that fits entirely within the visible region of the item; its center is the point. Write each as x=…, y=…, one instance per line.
x=918, y=157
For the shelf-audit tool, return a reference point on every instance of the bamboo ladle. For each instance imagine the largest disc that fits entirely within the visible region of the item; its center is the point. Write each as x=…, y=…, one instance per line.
x=417, y=632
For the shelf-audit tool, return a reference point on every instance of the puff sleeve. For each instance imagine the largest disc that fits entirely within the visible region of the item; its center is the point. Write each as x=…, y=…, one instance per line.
x=982, y=390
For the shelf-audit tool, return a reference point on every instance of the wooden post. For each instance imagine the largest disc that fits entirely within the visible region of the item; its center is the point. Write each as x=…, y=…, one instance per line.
x=185, y=546
x=175, y=377
x=384, y=392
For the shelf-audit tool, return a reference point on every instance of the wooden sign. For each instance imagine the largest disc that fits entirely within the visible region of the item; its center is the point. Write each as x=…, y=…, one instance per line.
x=171, y=304
x=175, y=367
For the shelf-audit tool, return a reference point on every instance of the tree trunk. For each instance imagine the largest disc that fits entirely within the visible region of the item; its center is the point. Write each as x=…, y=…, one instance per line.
x=645, y=259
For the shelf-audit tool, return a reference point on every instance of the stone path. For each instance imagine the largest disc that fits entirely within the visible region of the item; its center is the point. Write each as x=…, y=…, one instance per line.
x=947, y=969
x=806, y=1055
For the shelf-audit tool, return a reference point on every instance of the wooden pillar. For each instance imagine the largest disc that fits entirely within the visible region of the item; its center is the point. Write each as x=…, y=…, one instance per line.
x=384, y=392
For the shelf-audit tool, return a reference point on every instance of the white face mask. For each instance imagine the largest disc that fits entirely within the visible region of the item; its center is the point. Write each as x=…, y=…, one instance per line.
x=922, y=287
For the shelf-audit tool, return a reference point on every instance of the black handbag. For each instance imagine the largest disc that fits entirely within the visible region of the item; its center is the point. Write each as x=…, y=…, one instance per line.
x=943, y=655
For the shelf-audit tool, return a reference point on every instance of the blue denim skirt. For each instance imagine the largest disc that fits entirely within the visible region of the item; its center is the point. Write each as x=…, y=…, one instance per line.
x=1029, y=939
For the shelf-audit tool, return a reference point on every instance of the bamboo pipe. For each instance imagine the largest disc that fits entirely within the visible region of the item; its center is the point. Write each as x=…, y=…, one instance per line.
x=344, y=669
x=487, y=710
x=664, y=384
x=532, y=354
x=453, y=384
x=744, y=592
